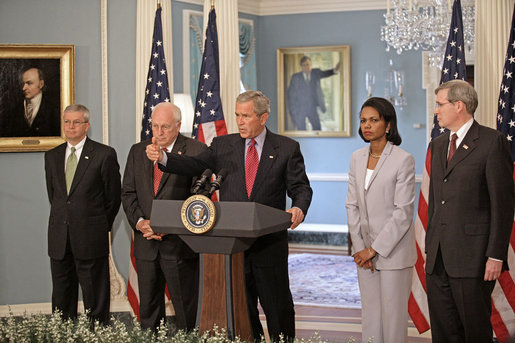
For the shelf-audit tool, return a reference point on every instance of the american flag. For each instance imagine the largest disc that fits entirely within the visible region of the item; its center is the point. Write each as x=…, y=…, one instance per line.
x=156, y=91
x=209, y=118
x=503, y=296
x=453, y=68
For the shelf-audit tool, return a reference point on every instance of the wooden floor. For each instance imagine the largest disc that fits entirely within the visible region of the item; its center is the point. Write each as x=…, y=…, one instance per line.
x=335, y=324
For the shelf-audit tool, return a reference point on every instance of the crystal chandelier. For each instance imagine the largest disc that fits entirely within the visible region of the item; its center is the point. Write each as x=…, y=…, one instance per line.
x=424, y=24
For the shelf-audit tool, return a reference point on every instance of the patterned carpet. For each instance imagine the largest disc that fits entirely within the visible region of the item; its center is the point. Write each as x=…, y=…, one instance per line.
x=324, y=280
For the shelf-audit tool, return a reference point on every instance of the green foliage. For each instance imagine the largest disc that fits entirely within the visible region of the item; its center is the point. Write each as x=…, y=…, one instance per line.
x=40, y=328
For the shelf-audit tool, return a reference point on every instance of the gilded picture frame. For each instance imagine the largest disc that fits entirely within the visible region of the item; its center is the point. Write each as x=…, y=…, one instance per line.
x=313, y=85
x=22, y=68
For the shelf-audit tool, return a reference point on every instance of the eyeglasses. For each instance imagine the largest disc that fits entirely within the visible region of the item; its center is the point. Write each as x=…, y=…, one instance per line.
x=438, y=105
x=75, y=122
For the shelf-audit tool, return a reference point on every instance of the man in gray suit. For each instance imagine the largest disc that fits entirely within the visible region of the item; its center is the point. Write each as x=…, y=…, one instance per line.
x=277, y=166
x=161, y=259
x=470, y=218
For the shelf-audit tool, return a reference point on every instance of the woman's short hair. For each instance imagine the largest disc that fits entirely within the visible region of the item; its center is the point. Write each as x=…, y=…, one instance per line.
x=387, y=112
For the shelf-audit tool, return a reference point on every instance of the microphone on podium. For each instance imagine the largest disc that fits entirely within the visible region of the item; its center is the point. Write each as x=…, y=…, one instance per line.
x=206, y=175
x=215, y=185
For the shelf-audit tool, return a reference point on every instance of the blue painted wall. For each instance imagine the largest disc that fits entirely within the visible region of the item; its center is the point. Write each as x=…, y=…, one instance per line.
x=360, y=30
x=24, y=265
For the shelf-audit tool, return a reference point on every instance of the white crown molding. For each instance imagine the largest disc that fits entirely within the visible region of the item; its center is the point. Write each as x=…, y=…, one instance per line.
x=340, y=177
x=278, y=7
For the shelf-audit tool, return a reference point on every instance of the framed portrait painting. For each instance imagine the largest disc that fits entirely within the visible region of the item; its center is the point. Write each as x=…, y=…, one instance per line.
x=36, y=84
x=314, y=91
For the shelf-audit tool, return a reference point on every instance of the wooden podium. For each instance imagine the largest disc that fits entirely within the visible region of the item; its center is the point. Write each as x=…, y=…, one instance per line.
x=222, y=299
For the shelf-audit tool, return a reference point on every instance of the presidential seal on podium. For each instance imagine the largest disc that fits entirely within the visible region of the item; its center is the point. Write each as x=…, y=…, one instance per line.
x=198, y=214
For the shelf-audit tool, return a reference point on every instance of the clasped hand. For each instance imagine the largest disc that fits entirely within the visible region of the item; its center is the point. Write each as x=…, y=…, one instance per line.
x=148, y=233
x=363, y=258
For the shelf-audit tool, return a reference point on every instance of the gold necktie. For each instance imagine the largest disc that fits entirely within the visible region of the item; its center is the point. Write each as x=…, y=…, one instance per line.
x=71, y=166
x=28, y=111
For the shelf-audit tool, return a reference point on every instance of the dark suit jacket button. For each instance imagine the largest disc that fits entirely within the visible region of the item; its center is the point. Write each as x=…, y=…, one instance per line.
x=443, y=202
x=444, y=180
x=65, y=222
x=68, y=202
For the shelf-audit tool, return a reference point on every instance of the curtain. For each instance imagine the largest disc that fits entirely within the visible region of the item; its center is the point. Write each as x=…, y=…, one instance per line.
x=247, y=56
x=492, y=31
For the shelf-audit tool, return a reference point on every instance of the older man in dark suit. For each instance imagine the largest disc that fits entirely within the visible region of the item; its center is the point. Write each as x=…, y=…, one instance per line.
x=470, y=218
x=305, y=94
x=262, y=167
x=83, y=184
x=161, y=259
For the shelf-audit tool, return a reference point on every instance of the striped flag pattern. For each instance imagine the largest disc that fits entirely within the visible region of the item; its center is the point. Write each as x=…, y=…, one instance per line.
x=454, y=67
x=209, y=119
x=156, y=91
x=503, y=296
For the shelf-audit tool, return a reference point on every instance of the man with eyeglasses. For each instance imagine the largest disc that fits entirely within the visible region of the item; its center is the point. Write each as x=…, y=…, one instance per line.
x=470, y=218
x=161, y=259
x=83, y=185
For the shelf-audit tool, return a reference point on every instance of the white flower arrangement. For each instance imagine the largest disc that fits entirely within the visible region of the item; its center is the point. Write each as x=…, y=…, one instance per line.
x=40, y=328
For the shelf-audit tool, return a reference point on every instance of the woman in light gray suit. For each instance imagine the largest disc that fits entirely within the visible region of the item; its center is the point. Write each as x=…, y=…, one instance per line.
x=380, y=205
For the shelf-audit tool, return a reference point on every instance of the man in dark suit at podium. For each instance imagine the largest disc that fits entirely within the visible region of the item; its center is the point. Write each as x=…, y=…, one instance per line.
x=262, y=167
x=161, y=259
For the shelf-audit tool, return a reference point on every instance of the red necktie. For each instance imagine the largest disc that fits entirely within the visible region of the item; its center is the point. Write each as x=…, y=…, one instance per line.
x=251, y=166
x=158, y=174
x=452, y=148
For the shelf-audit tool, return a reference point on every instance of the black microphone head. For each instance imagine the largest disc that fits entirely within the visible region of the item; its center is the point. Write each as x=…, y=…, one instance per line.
x=222, y=174
x=207, y=173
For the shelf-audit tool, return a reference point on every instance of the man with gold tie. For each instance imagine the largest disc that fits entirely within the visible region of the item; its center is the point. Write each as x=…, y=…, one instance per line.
x=83, y=185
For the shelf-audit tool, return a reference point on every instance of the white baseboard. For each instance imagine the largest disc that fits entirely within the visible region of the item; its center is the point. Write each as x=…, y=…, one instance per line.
x=313, y=227
x=118, y=305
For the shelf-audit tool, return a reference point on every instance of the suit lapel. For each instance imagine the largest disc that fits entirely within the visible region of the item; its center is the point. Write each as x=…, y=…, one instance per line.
x=440, y=153
x=148, y=173
x=59, y=156
x=386, y=152
x=239, y=145
x=88, y=153
x=361, y=169
x=178, y=148
x=466, y=147
x=268, y=156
